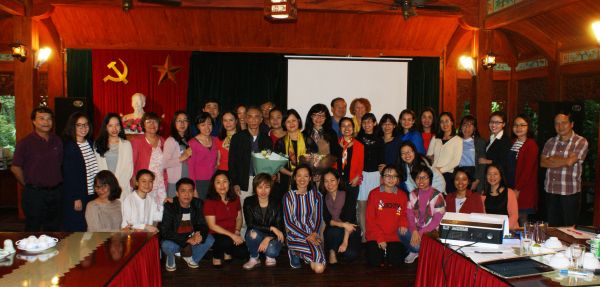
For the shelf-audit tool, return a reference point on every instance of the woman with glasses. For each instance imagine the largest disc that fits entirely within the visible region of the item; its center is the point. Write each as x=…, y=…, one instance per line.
x=79, y=170
x=318, y=123
x=203, y=162
x=177, y=151
x=103, y=214
x=497, y=148
x=446, y=149
x=409, y=159
x=391, y=141
x=426, y=207
x=473, y=150
x=522, y=167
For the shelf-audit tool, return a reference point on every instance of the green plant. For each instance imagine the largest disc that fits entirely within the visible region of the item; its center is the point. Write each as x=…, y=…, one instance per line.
x=7, y=123
x=533, y=116
x=497, y=106
x=590, y=132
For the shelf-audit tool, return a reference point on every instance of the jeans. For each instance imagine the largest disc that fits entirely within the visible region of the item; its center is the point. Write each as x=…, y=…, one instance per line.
x=198, y=251
x=273, y=248
x=405, y=239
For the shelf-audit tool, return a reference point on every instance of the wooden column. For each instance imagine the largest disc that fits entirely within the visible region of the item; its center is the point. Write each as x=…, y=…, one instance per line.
x=485, y=84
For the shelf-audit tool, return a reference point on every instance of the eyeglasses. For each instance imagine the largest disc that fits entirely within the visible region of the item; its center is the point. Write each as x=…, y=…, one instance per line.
x=390, y=176
x=81, y=126
x=496, y=123
x=424, y=177
x=519, y=125
x=318, y=116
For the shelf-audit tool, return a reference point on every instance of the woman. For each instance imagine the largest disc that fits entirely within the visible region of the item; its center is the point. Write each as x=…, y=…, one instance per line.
x=408, y=130
x=275, y=120
x=114, y=153
x=446, y=149
x=390, y=139
x=342, y=235
x=351, y=164
x=386, y=213
x=463, y=200
x=79, y=170
x=177, y=151
x=140, y=211
x=203, y=162
x=318, y=123
x=103, y=214
x=427, y=126
x=411, y=159
x=373, y=158
x=302, y=207
x=473, y=150
x=358, y=108
x=230, y=127
x=240, y=112
x=522, y=168
x=148, y=154
x=426, y=207
x=499, y=145
x=264, y=223
x=293, y=145
x=498, y=198
x=223, y=214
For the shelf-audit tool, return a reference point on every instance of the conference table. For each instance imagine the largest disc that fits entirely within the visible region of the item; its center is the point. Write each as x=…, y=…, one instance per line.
x=85, y=259
x=440, y=265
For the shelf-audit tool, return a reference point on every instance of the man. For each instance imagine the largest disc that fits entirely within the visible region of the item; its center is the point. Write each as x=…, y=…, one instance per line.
x=563, y=157
x=242, y=145
x=338, y=110
x=211, y=106
x=266, y=108
x=37, y=166
x=183, y=227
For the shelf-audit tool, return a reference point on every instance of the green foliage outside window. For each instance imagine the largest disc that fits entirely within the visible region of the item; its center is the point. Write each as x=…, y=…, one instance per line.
x=7, y=123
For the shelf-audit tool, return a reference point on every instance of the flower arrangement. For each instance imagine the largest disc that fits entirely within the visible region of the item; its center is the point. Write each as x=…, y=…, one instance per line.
x=268, y=162
x=133, y=126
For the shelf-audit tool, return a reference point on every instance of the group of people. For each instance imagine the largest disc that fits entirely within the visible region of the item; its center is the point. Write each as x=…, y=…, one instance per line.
x=348, y=181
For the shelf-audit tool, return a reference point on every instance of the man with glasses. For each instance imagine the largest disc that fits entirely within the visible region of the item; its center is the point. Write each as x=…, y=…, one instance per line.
x=563, y=156
x=37, y=166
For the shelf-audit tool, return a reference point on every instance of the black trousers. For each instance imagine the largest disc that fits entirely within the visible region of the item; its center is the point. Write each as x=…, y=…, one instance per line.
x=223, y=244
x=334, y=236
x=563, y=210
x=394, y=252
x=42, y=208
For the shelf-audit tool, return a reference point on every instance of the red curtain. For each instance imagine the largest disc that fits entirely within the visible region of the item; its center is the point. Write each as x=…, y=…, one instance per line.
x=439, y=264
x=142, y=77
x=143, y=269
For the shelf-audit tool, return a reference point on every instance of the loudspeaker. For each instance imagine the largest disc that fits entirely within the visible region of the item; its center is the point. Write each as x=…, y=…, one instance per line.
x=64, y=107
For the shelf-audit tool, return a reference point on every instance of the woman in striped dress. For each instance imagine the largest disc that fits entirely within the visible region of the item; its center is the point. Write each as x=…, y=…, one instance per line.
x=302, y=215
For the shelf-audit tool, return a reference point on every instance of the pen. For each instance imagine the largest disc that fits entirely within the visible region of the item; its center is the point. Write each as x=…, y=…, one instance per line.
x=575, y=273
x=575, y=231
x=488, y=252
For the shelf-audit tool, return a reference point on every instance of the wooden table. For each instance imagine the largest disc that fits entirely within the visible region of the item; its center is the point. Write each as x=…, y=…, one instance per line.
x=85, y=259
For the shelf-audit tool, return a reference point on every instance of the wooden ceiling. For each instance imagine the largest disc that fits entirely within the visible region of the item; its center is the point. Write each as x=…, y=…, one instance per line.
x=529, y=29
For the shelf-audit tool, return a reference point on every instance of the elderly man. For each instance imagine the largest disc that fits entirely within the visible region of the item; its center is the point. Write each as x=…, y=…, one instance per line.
x=563, y=156
x=338, y=111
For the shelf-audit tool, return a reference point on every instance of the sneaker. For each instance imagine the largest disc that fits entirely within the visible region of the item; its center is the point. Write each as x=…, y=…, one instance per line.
x=410, y=258
x=294, y=260
x=170, y=263
x=270, y=262
x=190, y=262
x=178, y=254
x=253, y=262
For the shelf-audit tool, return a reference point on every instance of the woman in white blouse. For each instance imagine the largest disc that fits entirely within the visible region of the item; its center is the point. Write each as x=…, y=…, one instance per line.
x=445, y=149
x=113, y=152
x=177, y=151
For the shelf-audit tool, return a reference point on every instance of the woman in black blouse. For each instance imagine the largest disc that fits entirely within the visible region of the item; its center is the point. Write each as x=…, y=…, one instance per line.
x=264, y=222
x=342, y=235
x=499, y=144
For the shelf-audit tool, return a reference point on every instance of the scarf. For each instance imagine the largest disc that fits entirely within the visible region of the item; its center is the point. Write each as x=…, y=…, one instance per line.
x=345, y=146
x=292, y=154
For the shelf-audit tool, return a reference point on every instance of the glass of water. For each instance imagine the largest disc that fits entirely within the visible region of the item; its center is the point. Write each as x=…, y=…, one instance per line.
x=577, y=251
x=526, y=239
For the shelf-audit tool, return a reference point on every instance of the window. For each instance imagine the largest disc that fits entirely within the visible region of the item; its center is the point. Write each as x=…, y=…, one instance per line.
x=7, y=125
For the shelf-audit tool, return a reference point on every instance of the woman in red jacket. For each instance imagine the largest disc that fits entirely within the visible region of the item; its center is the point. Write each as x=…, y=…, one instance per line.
x=463, y=200
x=522, y=167
x=386, y=213
x=351, y=162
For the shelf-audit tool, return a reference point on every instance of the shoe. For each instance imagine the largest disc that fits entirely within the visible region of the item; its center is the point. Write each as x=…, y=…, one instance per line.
x=170, y=263
x=410, y=258
x=253, y=262
x=294, y=260
x=228, y=258
x=270, y=262
x=217, y=263
x=178, y=254
x=190, y=262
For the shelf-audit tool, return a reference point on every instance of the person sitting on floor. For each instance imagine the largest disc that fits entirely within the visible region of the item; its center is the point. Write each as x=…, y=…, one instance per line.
x=264, y=220
x=386, y=213
x=183, y=227
x=140, y=210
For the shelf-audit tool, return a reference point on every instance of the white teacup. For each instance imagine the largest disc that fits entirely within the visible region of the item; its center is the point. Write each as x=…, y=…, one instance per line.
x=559, y=261
x=42, y=244
x=8, y=246
x=48, y=239
x=590, y=261
x=31, y=245
x=553, y=243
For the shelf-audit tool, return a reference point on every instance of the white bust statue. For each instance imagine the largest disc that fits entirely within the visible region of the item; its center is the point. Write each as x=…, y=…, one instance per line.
x=132, y=121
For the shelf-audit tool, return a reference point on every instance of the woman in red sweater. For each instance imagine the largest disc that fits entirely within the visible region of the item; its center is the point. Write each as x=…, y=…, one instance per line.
x=386, y=213
x=463, y=200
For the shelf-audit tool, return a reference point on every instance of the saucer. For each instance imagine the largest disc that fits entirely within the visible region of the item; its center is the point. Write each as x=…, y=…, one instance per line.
x=36, y=250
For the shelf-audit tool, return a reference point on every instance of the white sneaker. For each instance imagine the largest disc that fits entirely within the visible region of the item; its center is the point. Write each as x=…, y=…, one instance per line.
x=190, y=262
x=253, y=262
x=170, y=263
x=177, y=254
x=270, y=262
x=410, y=258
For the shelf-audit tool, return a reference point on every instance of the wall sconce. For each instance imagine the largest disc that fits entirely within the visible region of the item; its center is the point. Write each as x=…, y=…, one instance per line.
x=468, y=64
x=19, y=51
x=488, y=61
x=281, y=10
x=42, y=56
x=596, y=29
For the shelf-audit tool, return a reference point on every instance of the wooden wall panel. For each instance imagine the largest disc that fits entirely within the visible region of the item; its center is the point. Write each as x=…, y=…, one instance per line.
x=464, y=94
x=7, y=83
x=581, y=87
x=530, y=92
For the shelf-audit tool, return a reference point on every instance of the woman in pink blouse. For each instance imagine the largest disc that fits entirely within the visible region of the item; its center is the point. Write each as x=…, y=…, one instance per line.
x=203, y=162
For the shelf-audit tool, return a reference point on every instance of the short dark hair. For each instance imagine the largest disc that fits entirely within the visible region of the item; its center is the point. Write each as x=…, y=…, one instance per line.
x=184, y=180
x=41, y=110
x=108, y=178
x=142, y=172
x=419, y=169
x=202, y=117
x=347, y=119
x=527, y=119
x=433, y=123
x=569, y=115
x=414, y=116
x=336, y=174
x=261, y=178
x=391, y=167
x=288, y=113
x=212, y=191
x=468, y=119
x=460, y=169
x=440, y=133
x=299, y=167
x=208, y=101
x=149, y=116
x=336, y=99
x=388, y=118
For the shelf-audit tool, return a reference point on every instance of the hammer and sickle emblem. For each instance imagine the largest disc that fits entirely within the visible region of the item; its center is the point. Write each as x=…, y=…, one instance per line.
x=121, y=76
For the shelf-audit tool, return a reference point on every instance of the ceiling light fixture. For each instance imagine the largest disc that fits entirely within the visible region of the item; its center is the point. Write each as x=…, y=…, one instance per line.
x=281, y=10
